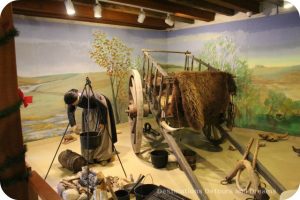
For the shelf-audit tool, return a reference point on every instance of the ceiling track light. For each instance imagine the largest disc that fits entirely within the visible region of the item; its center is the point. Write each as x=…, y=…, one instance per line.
x=70, y=7
x=97, y=10
x=141, y=17
x=287, y=5
x=169, y=20
x=249, y=13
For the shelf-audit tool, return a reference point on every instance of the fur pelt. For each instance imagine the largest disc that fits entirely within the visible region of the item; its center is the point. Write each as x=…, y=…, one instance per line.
x=201, y=97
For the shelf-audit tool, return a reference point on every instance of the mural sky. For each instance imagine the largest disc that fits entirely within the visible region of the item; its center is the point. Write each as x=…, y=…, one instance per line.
x=47, y=47
x=272, y=41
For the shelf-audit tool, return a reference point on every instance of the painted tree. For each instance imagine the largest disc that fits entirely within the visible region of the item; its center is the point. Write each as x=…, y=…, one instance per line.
x=279, y=104
x=115, y=57
x=223, y=54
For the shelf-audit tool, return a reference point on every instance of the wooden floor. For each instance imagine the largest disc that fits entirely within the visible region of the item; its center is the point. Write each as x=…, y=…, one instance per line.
x=213, y=163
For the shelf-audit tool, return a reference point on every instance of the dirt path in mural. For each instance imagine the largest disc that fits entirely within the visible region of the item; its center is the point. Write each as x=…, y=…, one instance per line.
x=30, y=88
x=36, y=126
x=38, y=129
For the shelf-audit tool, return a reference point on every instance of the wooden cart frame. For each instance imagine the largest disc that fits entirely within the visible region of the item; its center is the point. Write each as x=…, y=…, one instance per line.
x=146, y=94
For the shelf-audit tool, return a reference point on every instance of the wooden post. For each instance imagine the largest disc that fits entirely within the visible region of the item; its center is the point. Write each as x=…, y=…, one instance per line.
x=11, y=140
x=192, y=65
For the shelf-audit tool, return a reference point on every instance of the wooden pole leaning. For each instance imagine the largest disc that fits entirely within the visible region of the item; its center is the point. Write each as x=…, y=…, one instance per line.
x=11, y=140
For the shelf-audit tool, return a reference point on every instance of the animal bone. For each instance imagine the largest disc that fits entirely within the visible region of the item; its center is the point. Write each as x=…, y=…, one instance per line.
x=168, y=128
x=68, y=139
x=231, y=148
x=271, y=137
x=262, y=144
x=296, y=150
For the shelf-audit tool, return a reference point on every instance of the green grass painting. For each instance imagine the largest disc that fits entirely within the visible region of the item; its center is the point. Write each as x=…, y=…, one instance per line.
x=47, y=115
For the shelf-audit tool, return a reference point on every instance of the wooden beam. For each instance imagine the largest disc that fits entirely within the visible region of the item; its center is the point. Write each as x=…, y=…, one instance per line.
x=56, y=9
x=179, y=11
x=149, y=13
x=136, y=11
x=12, y=170
x=206, y=6
x=238, y=5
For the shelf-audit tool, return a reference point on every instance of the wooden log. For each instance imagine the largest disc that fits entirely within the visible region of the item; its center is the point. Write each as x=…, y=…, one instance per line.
x=11, y=140
x=71, y=160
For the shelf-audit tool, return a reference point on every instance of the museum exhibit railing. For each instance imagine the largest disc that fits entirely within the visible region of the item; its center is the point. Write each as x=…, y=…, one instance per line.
x=38, y=188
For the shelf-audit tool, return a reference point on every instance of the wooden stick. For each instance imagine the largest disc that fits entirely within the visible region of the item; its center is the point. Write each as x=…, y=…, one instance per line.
x=253, y=178
x=249, y=145
x=234, y=172
x=110, y=189
x=255, y=154
x=164, y=51
x=72, y=179
x=68, y=184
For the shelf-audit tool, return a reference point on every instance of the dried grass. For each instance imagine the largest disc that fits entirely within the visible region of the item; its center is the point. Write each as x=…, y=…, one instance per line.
x=201, y=97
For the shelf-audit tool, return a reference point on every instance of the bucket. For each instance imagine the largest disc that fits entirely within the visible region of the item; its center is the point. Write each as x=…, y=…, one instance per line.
x=90, y=140
x=71, y=160
x=143, y=191
x=122, y=194
x=191, y=158
x=159, y=158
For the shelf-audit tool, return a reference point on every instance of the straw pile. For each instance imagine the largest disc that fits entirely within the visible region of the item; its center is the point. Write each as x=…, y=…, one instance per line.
x=201, y=97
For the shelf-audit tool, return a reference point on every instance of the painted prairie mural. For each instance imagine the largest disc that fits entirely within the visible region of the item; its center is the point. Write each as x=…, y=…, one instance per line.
x=264, y=54
x=54, y=57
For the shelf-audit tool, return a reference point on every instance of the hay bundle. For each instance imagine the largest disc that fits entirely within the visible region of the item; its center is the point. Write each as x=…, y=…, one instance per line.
x=201, y=97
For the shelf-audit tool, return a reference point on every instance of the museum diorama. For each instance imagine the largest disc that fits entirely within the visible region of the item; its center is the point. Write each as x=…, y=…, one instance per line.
x=154, y=100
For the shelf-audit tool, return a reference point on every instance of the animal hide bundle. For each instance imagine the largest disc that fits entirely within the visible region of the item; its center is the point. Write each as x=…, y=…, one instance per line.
x=201, y=97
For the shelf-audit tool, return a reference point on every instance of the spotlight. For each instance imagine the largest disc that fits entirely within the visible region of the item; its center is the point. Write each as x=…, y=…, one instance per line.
x=97, y=10
x=69, y=7
x=169, y=20
x=249, y=14
x=141, y=16
x=287, y=5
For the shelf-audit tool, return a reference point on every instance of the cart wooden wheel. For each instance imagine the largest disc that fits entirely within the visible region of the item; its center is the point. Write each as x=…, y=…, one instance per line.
x=213, y=134
x=136, y=110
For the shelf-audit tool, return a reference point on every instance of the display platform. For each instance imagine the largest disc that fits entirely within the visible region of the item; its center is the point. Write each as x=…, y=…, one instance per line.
x=216, y=163
x=213, y=163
